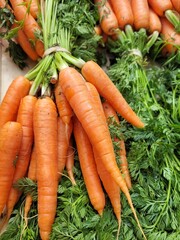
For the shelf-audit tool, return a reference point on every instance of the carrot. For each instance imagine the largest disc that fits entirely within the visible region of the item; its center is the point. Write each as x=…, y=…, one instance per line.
x=63, y=106
x=10, y=142
x=110, y=113
x=123, y=12
x=33, y=6
x=160, y=7
x=45, y=133
x=94, y=73
x=70, y=161
x=26, y=45
x=170, y=37
x=176, y=5
x=107, y=18
x=39, y=47
x=25, y=118
x=9, y=106
x=88, y=167
x=98, y=30
x=76, y=92
x=140, y=10
x=154, y=22
x=64, y=134
x=31, y=175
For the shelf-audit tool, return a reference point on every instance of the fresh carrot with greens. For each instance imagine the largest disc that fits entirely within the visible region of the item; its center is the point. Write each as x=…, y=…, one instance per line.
x=70, y=161
x=64, y=134
x=33, y=176
x=88, y=167
x=77, y=93
x=63, y=106
x=18, y=88
x=25, y=118
x=33, y=6
x=140, y=9
x=45, y=140
x=107, y=18
x=10, y=143
x=154, y=22
x=123, y=12
x=112, y=118
x=94, y=73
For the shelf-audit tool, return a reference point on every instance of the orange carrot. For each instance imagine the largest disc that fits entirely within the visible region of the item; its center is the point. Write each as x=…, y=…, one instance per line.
x=110, y=113
x=39, y=47
x=94, y=73
x=123, y=12
x=88, y=167
x=140, y=10
x=25, y=118
x=64, y=109
x=9, y=106
x=160, y=7
x=176, y=5
x=64, y=134
x=98, y=30
x=70, y=161
x=78, y=95
x=10, y=142
x=154, y=22
x=45, y=133
x=31, y=175
x=170, y=36
x=107, y=18
x=33, y=6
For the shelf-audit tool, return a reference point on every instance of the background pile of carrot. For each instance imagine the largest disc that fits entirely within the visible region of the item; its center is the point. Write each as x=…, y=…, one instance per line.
x=156, y=17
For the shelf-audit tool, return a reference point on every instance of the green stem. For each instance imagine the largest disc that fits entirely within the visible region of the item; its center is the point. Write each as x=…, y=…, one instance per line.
x=129, y=32
x=174, y=19
x=73, y=60
x=59, y=61
x=152, y=40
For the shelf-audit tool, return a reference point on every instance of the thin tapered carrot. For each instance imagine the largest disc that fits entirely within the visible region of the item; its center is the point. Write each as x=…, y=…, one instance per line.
x=10, y=103
x=176, y=5
x=64, y=134
x=140, y=9
x=10, y=143
x=94, y=73
x=123, y=12
x=33, y=6
x=111, y=116
x=170, y=36
x=154, y=22
x=33, y=176
x=160, y=7
x=77, y=93
x=63, y=106
x=45, y=140
x=107, y=18
x=88, y=167
x=25, y=118
x=70, y=161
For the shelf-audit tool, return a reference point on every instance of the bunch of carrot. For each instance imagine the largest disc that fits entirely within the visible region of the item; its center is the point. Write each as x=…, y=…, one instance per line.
x=118, y=20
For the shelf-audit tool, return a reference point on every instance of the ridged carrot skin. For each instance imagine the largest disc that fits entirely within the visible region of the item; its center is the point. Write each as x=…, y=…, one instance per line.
x=10, y=143
x=9, y=106
x=25, y=118
x=45, y=135
x=160, y=6
x=176, y=5
x=154, y=22
x=88, y=167
x=93, y=73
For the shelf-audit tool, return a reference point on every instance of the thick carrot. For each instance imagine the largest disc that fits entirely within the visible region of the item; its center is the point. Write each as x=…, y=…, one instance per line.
x=70, y=161
x=64, y=134
x=176, y=5
x=9, y=106
x=94, y=73
x=31, y=175
x=33, y=6
x=154, y=22
x=39, y=47
x=107, y=18
x=45, y=133
x=76, y=92
x=160, y=7
x=10, y=143
x=25, y=118
x=88, y=167
x=170, y=36
x=123, y=12
x=63, y=106
x=111, y=116
x=140, y=10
